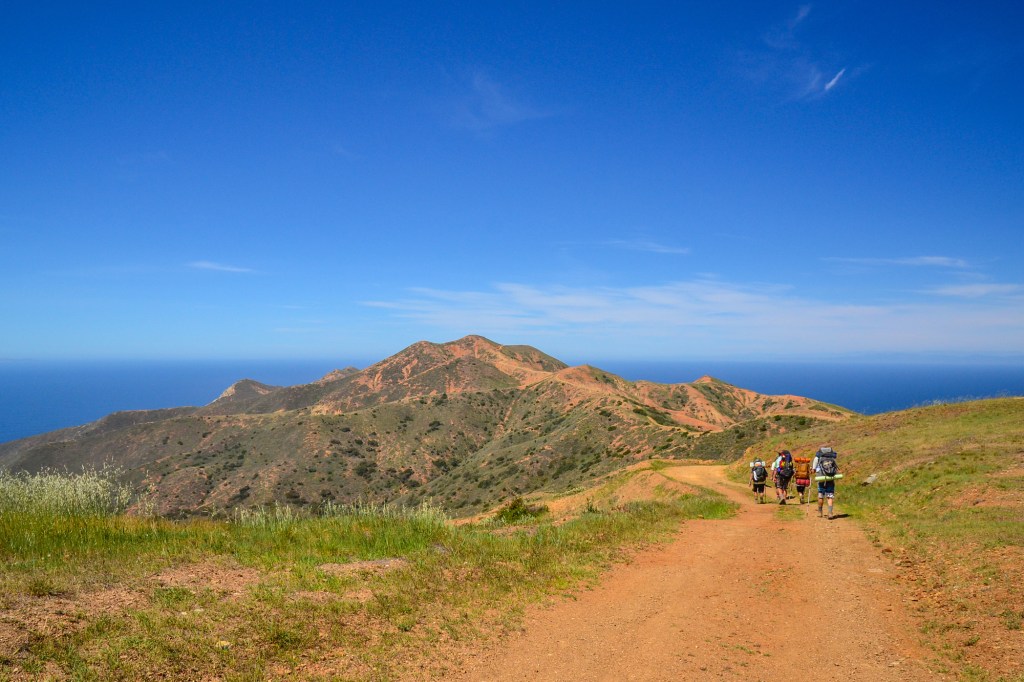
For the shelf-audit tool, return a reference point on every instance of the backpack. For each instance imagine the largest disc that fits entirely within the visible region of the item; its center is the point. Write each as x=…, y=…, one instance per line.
x=827, y=462
x=786, y=468
x=760, y=474
x=802, y=469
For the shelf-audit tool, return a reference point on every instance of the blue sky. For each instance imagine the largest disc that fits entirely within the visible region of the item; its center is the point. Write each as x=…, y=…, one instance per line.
x=740, y=180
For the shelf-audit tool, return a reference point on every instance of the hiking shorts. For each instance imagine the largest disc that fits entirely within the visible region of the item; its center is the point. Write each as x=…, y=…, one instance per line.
x=826, y=488
x=758, y=487
x=781, y=482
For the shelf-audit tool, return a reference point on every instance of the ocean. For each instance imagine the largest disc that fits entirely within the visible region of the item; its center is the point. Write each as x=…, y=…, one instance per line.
x=36, y=397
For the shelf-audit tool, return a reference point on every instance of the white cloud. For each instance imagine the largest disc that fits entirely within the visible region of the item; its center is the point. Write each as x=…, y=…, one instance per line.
x=643, y=245
x=217, y=267
x=487, y=104
x=789, y=65
x=936, y=261
x=342, y=150
x=801, y=14
x=783, y=36
x=913, y=261
x=835, y=79
x=978, y=290
x=710, y=317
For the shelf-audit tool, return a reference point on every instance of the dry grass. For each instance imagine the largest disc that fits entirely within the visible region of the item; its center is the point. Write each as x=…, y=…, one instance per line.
x=359, y=593
x=948, y=506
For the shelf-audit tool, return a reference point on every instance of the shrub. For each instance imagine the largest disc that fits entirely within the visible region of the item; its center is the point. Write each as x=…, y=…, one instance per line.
x=517, y=510
x=94, y=492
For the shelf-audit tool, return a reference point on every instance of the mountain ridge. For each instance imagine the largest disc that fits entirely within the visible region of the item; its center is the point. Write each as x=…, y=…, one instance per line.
x=467, y=422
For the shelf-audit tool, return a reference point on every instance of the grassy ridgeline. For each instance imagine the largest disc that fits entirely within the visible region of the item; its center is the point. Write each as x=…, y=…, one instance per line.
x=947, y=503
x=448, y=583
x=945, y=474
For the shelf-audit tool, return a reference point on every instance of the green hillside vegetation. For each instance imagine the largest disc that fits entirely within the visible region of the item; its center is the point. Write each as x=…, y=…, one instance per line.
x=350, y=592
x=466, y=425
x=948, y=505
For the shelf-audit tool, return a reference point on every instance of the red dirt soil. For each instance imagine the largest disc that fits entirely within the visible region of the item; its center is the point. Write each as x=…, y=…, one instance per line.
x=773, y=593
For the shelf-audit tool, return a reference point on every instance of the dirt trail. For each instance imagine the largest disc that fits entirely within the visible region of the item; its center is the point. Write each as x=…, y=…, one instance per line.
x=709, y=606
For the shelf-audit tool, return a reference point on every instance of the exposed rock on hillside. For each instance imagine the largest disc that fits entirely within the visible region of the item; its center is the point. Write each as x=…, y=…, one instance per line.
x=466, y=424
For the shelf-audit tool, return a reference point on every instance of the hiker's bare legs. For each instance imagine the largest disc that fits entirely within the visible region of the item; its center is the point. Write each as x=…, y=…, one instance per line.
x=781, y=491
x=826, y=491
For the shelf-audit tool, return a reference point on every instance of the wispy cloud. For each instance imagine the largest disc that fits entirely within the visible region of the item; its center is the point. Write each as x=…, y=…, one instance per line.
x=788, y=64
x=648, y=246
x=714, y=317
x=835, y=79
x=978, y=290
x=913, y=261
x=217, y=267
x=339, y=149
x=487, y=104
x=782, y=36
x=801, y=14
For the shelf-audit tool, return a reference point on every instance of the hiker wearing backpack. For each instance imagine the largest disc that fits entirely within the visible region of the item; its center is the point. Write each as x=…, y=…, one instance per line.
x=824, y=464
x=758, y=479
x=802, y=476
x=783, y=468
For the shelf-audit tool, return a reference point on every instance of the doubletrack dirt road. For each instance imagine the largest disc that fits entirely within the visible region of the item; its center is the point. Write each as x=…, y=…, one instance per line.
x=773, y=593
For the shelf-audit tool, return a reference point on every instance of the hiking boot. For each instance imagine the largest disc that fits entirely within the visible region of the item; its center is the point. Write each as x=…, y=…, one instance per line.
x=782, y=501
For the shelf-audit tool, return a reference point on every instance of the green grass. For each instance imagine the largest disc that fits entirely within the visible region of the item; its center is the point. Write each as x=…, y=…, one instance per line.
x=455, y=583
x=926, y=459
x=948, y=497
x=930, y=464
x=94, y=492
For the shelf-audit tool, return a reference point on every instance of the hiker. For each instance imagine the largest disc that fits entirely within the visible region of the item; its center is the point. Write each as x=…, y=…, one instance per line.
x=824, y=465
x=802, y=476
x=758, y=479
x=783, y=470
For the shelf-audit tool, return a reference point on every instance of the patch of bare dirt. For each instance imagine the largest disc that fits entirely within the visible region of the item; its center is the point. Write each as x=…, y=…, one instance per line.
x=27, y=619
x=372, y=566
x=981, y=620
x=225, y=580
x=771, y=593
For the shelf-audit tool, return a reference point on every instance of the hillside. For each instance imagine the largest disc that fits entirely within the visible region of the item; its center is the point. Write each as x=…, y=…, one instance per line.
x=919, y=577
x=947, y=505
x=466, y=424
